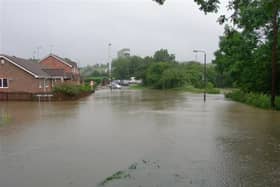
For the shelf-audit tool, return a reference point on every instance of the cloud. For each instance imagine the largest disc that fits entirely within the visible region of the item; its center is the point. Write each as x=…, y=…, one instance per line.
x=82, y=29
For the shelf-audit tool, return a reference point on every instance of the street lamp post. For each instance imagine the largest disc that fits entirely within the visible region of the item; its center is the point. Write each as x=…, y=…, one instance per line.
x=204, y=72
x=110, y=64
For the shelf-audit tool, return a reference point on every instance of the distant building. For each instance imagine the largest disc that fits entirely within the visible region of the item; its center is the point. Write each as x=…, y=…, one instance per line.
x=124, y=53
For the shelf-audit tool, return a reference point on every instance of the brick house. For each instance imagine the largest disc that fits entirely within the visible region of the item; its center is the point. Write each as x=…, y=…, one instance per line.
x=69, y=67
x=21, y=75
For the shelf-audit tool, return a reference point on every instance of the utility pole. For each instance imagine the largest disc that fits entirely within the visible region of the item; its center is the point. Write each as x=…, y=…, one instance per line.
x=38, y=52
x=34, y=55
x=110, y=65
x=204, y=72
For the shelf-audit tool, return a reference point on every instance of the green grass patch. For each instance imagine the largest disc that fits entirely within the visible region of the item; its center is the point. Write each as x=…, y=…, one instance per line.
x=137, y=87
x=190, y=88
x=186, y=88
x=254, y=99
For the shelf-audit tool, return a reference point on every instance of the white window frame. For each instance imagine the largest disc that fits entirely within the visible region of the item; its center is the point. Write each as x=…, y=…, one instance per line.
x=2, y=82
x=40, y=84
x=46, y=83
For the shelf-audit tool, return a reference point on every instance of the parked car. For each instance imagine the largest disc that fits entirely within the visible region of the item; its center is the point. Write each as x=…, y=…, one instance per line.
x=115, y=86
x=124, y=82
x=134, y=81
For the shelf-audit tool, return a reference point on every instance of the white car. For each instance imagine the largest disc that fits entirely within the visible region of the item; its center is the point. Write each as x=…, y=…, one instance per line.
x=115, y=86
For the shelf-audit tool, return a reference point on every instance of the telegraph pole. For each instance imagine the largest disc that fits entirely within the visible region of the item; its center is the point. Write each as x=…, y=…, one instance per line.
x=110, y=64
x=204, y=73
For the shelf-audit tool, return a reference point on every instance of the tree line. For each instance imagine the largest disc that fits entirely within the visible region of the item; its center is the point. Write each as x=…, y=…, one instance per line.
x=162, y=71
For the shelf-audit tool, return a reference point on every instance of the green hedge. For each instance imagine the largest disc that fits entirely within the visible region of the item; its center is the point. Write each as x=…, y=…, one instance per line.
x=255, y=99
x=71, y=90
x=97, y=80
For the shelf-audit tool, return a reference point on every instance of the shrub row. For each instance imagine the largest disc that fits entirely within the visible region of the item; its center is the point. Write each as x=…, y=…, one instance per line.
x=255, y=99
x=71, y=90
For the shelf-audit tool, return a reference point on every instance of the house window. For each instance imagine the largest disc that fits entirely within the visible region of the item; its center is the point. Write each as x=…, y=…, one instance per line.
x=40, y=84
x=46, y=83
x=4, y=83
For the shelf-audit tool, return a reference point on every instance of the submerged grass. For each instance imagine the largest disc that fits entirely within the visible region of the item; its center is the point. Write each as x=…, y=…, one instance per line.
x=116, y=176
x=5, y=119
x=130, y=172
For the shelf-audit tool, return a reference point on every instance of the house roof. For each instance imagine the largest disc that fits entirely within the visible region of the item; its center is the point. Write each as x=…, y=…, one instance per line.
x=63, y=60
x=55, y=72
x=28, y=66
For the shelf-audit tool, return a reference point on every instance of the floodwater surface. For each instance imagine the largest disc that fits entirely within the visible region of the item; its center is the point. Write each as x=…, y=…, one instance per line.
x=138, y=138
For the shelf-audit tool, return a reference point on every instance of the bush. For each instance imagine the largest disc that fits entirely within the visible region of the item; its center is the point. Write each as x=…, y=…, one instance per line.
x=97, y=80
x=255, y=99
x=211, y=89
x=71, y=90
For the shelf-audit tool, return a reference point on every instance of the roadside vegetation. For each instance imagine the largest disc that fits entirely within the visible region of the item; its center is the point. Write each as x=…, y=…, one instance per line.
x=69, y=90
x=248, y=55
x=254, y=99
x=162, y=71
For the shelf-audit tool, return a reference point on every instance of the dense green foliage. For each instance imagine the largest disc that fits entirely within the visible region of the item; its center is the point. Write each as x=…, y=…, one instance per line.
x=71, y=90
x=96, y=80
x=162, y=55
x=162, y=71
x=255, y=99
x=249, y=49
x=126, y=67
x=242, y=63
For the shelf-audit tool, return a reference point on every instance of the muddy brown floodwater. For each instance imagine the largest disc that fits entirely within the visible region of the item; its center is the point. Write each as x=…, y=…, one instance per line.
x=138, y=138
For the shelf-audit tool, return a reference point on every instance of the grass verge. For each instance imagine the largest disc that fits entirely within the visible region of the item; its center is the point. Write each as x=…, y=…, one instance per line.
x=254, y=99
x=137, y=87
x=190, y=88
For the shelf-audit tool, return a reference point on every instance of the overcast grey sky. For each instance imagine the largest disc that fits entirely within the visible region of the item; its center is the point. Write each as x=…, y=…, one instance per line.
x=82, y=29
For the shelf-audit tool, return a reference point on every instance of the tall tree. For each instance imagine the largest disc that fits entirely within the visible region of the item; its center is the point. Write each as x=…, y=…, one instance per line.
x=259, y=17
x=274, y=49
x=163, y=55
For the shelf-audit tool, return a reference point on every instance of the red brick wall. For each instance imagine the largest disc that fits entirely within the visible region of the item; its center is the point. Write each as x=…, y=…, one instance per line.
x=53, y=63
x=19, y=80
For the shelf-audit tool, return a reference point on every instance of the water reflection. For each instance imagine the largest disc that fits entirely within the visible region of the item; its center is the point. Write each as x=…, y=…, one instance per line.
x=81, y=143
x=23, y=114
x=250, y=150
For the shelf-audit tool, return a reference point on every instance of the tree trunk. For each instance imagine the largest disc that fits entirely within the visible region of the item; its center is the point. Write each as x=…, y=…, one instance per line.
x=274, y=56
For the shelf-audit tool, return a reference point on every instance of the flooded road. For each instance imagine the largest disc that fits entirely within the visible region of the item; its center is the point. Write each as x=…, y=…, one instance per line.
x=153, y=138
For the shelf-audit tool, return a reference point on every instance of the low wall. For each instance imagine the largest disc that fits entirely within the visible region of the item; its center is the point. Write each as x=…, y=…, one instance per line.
x=24, y=96
x=15, y=96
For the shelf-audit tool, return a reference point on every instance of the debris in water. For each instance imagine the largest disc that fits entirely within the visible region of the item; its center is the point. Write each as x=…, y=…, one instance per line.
x=133, y=166
x=131, y=171
x=118, y=175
